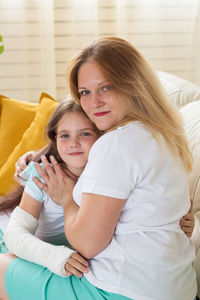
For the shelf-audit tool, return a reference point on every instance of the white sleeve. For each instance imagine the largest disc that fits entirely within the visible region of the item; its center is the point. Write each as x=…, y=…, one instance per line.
x=20, y=240
x=109, y=171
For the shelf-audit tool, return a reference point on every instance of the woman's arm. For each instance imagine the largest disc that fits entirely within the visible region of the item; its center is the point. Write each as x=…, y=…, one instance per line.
x=94, y=222
x=90, y=228
x=20, y=240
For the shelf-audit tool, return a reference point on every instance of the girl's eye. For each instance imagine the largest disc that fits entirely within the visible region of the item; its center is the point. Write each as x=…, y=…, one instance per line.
x=84, y=93
x=85, y=134
x=63, y=136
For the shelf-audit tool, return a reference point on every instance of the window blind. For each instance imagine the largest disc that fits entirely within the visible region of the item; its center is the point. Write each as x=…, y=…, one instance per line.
x=41, y=36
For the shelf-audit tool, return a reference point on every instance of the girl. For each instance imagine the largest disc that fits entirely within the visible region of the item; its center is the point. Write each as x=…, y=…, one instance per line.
x=126, y=206
x=71, y=136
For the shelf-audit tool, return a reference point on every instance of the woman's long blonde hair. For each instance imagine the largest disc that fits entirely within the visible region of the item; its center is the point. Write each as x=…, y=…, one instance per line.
x=133, y=78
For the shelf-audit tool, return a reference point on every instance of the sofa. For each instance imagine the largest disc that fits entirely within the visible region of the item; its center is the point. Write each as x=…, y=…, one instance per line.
x=187, y=96
x=22, y=127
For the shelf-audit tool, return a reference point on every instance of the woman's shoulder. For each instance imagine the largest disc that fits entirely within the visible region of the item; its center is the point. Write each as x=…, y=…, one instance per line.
x=120, y=138
x=131, y=131
x=133, y=139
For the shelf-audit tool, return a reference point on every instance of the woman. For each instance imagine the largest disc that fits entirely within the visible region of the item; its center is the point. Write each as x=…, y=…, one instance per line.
x=133, y=191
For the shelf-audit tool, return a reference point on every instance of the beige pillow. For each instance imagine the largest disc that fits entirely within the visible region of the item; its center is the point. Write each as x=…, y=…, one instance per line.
x=197, y=269
x=191, y=115
x=180, y=91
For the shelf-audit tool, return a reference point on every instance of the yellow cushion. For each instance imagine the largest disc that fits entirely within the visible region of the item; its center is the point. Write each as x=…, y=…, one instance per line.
x=16, y=117
x=33, y=139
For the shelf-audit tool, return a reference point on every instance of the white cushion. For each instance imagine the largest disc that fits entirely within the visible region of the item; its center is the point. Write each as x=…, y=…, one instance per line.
x=180, y=91
x=191, y=116
x=197, y=269
x=186, y=95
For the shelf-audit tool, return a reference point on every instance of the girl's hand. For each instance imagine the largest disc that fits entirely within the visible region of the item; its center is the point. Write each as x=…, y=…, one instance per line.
x=187, y=221
x=76, y=265
x=21, y=164
x=58, y=182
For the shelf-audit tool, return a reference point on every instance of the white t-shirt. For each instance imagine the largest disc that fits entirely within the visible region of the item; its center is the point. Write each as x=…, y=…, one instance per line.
x=149, y=256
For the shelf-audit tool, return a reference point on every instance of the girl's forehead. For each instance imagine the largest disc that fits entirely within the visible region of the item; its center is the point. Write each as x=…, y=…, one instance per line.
x=75, y=119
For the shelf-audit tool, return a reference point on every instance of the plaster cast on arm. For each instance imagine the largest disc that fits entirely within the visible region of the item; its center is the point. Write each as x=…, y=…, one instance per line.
x=20, y=240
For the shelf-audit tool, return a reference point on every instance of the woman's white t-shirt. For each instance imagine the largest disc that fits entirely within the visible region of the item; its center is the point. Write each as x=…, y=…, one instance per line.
x=149, y=256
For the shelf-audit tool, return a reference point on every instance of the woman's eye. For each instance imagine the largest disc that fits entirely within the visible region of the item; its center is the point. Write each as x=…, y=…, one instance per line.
x=106, y=88
x=84, y=93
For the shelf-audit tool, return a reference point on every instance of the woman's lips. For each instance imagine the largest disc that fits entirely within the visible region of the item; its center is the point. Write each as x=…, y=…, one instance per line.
x=100, y=114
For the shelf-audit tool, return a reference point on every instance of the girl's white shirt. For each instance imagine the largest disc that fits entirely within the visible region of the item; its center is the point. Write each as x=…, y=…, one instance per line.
x=23, y=230
x=51, y=221
x=4, y=220
x=149, y=256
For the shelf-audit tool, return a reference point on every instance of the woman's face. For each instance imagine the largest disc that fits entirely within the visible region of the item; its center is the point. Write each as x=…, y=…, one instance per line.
x=75, y=136
x=98, y=98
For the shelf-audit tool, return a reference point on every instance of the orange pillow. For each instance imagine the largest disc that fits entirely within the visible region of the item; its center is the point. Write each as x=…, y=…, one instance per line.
x=16, y=116
x=33, y=139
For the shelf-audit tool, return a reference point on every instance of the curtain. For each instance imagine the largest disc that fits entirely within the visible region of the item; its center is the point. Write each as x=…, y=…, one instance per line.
x=40, y=37
x=27, y=65
x=195, y=44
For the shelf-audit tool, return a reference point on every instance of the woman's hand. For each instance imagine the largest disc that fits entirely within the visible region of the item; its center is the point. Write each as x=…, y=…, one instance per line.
x=58, y=182
x=21, y=164
x=76, y=265
x=187, y=221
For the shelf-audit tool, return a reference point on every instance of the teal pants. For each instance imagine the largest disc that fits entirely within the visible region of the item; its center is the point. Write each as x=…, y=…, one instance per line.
x=25, y=280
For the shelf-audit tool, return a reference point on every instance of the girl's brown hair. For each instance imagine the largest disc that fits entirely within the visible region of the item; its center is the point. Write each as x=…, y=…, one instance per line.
x=12, y=199
x=137, y=84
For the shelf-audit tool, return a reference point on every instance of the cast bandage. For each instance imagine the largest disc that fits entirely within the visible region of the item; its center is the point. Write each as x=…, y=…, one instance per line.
x=20, y=240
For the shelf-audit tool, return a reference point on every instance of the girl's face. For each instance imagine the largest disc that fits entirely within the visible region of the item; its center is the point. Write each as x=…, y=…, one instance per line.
x=98, y=98
x=75, y=136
